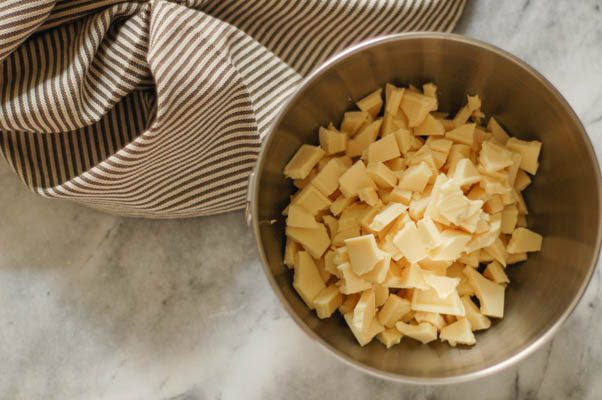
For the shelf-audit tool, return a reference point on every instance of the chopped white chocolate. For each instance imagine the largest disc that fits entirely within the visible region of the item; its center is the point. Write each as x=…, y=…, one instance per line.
x=303, y=161
x=361, y=141
x=307, y=281
x=290, y=252
x=351, y=282
x=522, y=181
x=458, y=332
x=524, y=240
x=353, y=121
x=378, y=274
x=364, y=338
x=490, y=294
x=412, y=277
x=381, y=293
x=463, y=134
x=386, y=216
x=452, y=244
x=477, y=320
x=394, y=308
x=330, y=265
x=432, y=318
x=529, y=152
x=332, y=223
x=495, y=272
x=465, y=173
x=363, y=253
x=354, y=179
x=429, y=300
x=381, y=175
x=311, y=199
x=405, y=140
x=384, y=149
x=371, y=103
x=423, y=332
x=327, y=180
x=430, y=126
x=409, y=243
x=429, y=233
x=415, y=178
x=332, y=142
x=494, y=157
x=443, y=285
x=342, y=202
x=497, y=131
x=393, y=97
x=369, y=196
x=498, y=251
x=516, y=258
x=364, y=312
x=314, y=240
x=327, y=301
x=416, y=107
x=300, y=217
x=349, y=302
x=389, y=337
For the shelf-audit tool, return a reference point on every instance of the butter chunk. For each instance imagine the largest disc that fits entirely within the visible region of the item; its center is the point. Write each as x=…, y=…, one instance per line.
x=303, y=161
x=529, y=152
x=363, y=253
x=477, y=320
x=386, y=216
x=381, y=175
x=490, y=294
x=430, y=126
x=384, y=149
x=371, y=103
x=409, y=243
x=464, y=134
x=389, y=337
x=524, y=240
x=499, y=134
x=327, y=301
x=394, y=308
x=458, y=332
x=364, y=338
x=300, y=217
x=443, y=285
x=416, y=107
x=495, y=272
x=311, y=199
x=353, y=121
x=354, y=179
x=314, y=240
x=432, y=318
x=366, y=136
x=415, y=178
x=429, y=301
x=332, y=142
x=351, y=282
x=307, y=280
x=423, y=332
x=327, y=180
x=494, y=157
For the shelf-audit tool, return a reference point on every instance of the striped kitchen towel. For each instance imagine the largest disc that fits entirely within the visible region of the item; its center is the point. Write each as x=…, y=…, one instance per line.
x=157, y=108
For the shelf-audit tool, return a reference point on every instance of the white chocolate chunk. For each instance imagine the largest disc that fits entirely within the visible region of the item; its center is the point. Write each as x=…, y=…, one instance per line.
x=386, y=216
x=444, y=286
x=409, y=243
x=364, y=312
x=381, y=293
x=353, y=121
x=351, y=282
x=452, y=244
x=369, y=196
x=332, y=142
x=429, y=233
x=311, y=199
x=340, y=204
x=389, y=337
x=381, y=175
x=393, y=97
x=327, y=180
x=424, y=332
x=495, y=272
x=314, y=240
x=415, y=178
x=354, y=179
x=405, y=140
x=363, y=253
x=327, y=301
x=378, y=274
x=332, y=223
x=429, y=300
x=290, y=252
x=498, y=251
x=416, y=107
x=384, y=149
x=529, y=152
x=394, y=308
x=463, y=134
x=465, y=173
x=458, y=332
x=349, y=302
x=490, y=294
x=522, y=180
x=300, y=217
x=363, y=339
x=477, y=320
x=430, y=126
x=524, y=240
x=412, y=277
x=494, y=157
x=497, y=131
x=307, y=280
x=303, y=161
x=432, y=318
x=361, y=141
x=371, y=103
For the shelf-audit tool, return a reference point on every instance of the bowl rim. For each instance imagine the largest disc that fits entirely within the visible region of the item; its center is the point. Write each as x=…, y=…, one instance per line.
x=512, y=359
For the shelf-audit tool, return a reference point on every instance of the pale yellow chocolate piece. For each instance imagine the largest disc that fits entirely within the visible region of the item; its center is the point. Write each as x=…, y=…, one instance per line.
x=394, y=308
x=371, y=103
x=311, y=199
x=381, y=175
x=354, y=179
x=443, y=285
x=327, y=180
x=477, y=320
x=300, y=217
x=303, y=161
x=307, y=280
x=381, y=293
x=384, y=149
x=464, y=134
x=393, y=97
x=416, y=107
x=524, y=240
x=415, y=178
x=327, y=301
x=495, y=272
x=314, y=240
x=430, y=126
x=459, y=332
x=389, y=337
x=361, y=141
x=290, y=252
x=490, y=294
x=386, y=216
x=529, y=152
x=350, y=281
x=497, y=131
x=363, y=253
x=423, y=332
x=349, y=302
x=364, y=312
x=353, y=121
x=432, y=318
x=363, y=339
x=409, y=243
x=429, y=300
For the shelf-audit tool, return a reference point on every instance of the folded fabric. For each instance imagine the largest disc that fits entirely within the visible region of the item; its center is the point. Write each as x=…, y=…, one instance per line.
x=157, y=109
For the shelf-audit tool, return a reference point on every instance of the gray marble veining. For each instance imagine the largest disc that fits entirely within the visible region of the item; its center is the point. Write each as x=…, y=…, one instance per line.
x=94, y=306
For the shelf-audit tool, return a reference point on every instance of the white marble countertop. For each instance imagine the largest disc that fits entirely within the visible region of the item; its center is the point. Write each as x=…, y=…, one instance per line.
x=98, y=307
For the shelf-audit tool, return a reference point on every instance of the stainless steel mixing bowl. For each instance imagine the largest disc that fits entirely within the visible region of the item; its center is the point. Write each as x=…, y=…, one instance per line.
x=564, y=198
